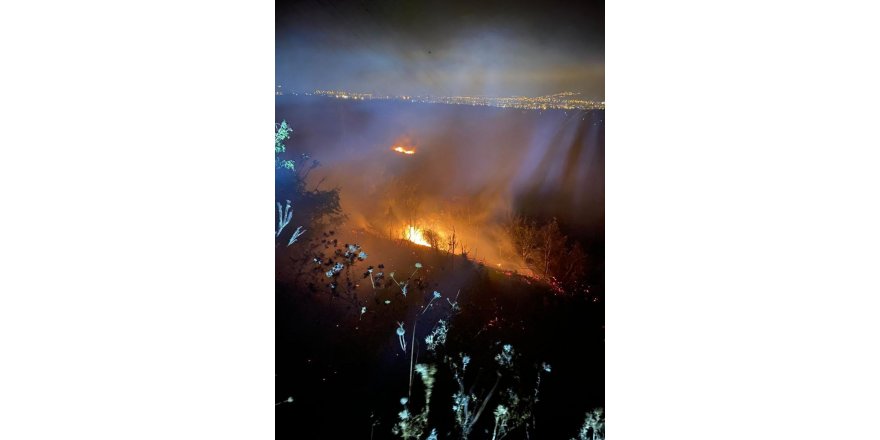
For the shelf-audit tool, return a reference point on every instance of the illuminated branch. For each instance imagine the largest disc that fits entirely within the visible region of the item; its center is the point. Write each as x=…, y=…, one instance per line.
x=296, y=234
x=400, y=333
x=283, y=219
x=372, y=282
x=436, y=296
x=403, y=286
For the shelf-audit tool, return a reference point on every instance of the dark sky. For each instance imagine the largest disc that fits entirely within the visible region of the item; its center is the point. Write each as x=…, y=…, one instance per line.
x=490, y=48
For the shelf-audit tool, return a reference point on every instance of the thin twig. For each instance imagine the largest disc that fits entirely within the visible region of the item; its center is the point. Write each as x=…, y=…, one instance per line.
x=485, y=402
x=412, y=350
x=319, y=183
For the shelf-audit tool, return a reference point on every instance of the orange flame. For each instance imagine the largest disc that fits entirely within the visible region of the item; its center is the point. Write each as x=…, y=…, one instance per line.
x=400, y=149
x=415, y=235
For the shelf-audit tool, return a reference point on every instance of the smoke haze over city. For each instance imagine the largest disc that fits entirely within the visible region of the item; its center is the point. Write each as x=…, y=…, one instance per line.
x=442, y=49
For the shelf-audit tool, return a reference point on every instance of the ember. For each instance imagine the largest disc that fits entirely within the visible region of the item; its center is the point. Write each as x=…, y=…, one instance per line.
x=400, y=149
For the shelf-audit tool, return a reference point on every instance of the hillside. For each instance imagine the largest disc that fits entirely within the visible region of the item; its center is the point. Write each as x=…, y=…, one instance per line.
x=333, y=359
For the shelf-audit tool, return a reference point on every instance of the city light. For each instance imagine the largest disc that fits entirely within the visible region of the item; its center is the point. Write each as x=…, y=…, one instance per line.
x=558, y=101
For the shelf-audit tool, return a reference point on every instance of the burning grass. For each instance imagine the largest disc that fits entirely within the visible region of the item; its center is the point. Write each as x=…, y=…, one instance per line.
x=416, y=236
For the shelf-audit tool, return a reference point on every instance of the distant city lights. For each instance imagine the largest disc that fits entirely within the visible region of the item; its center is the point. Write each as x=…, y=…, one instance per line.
x=558, y=101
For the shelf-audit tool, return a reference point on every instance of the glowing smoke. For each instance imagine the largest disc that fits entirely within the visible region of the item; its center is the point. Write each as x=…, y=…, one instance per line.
x=474, y=167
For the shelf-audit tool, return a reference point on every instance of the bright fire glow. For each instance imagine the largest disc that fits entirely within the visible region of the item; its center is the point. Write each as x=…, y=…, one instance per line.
x=415, y=235
x=400, y=149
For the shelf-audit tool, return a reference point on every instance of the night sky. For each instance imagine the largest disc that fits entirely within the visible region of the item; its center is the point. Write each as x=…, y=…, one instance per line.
x=442, y=48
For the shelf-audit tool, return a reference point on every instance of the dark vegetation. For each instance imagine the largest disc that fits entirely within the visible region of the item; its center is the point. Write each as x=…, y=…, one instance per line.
x=548, y=252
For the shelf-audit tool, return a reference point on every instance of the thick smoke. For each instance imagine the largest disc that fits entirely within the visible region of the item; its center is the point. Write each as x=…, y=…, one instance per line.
x=472, y=169
x=491, y=48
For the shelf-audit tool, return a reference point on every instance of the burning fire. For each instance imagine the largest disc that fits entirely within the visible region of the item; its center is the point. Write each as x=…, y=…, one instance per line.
x=400, y=149
x=420, y=237
x=415, y=235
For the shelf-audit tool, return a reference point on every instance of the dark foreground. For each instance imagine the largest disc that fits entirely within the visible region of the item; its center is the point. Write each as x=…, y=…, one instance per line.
x=347, y=373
